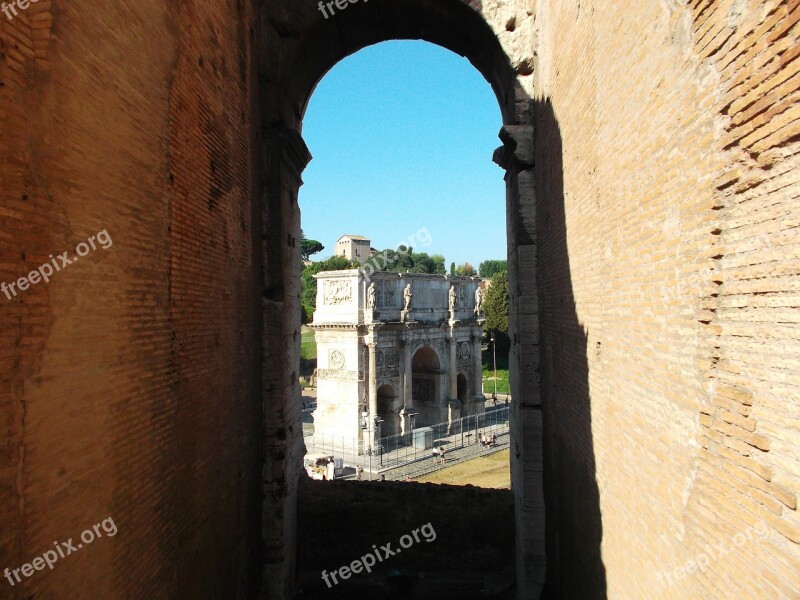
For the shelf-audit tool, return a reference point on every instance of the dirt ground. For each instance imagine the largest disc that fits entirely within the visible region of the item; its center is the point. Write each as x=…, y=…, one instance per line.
x=492, y=471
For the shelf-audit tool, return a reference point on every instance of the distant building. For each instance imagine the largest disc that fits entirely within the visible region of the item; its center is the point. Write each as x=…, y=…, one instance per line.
x=353, y=247
x=404, y=349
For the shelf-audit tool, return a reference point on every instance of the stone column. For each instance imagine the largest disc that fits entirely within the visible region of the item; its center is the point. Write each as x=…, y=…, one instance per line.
x=373, y=380
x=478, y=366
x=408, y=401
x=283, y=157
x=516, y=156
x=405, y=389
x=453, y=395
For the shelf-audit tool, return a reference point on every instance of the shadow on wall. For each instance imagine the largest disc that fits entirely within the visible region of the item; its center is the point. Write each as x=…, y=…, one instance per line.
x=550, y=342
x=574, y=528
x=466, y=551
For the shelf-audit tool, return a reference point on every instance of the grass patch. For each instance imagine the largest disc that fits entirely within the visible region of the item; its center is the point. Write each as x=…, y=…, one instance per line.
x=490, y=471
x=503, y=387
x=308, y=346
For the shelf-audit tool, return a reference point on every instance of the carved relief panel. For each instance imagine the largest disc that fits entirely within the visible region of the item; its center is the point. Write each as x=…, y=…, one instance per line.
x=337, y=292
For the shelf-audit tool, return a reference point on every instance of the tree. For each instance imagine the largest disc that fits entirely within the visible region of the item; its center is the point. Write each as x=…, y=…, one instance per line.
x=466, y=270
x=496, y=304
x=496, y=308
x=309, y=247
x=452, y=269
x=422, y=263
x=489, y=268
x=405, y=260
x=438, y=264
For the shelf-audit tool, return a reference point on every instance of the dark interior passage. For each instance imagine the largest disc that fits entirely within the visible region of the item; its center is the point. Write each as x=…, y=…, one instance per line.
x=470, y=555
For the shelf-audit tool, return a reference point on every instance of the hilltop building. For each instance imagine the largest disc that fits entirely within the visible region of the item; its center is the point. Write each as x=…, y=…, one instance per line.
x=353, y=247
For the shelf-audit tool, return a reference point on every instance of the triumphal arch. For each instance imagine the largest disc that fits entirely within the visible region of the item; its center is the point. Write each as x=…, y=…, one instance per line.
x=396, y=351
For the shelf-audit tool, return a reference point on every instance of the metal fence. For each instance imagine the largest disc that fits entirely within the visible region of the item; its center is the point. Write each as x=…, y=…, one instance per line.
x=397, y=450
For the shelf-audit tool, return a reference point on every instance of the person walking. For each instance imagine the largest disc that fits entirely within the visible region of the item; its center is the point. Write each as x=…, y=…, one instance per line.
x=441, y=454
x=359, y=472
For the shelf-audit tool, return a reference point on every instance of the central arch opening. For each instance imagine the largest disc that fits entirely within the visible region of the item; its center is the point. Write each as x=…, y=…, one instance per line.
x=462, y=387
x=459, y=27
x=389, y=410
x=426, y=387
x=401, y=183
x=405, y=225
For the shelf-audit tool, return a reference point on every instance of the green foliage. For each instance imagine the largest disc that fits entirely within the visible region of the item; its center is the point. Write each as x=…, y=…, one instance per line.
x=490, y=268
x=488, y=363
x=306, y=314
x=503, y=343
x=466, y=270
x=308, y=346
x=308, y=285
x=503, y=386
x=422, y=263
x=452, y=269
x=496, y=304
x=438, y=264
x=309, y=247
x=405, y=260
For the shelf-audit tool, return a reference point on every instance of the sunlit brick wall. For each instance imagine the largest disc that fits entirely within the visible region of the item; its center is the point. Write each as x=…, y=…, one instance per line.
x=668, y=147
x=130, y=384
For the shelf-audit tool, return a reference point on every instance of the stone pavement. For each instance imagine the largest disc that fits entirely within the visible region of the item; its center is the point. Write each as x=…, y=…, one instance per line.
x=429, y=465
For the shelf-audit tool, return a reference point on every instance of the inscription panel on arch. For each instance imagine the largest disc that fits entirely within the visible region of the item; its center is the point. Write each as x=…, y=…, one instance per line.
x=339, y=375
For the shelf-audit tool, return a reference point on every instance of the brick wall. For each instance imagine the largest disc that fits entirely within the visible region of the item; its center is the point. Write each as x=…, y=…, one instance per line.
x=668, y=143
x=659, y=262
x=130, y=385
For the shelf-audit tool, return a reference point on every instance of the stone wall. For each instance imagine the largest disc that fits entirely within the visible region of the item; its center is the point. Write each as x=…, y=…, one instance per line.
x=667, y=152
x=653, y=245
x=130, y=384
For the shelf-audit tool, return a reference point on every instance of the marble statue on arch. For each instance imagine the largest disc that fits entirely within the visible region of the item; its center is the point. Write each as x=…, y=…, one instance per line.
x=407, y=297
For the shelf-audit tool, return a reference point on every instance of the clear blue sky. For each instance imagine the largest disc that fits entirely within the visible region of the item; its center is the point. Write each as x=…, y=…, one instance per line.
x=402, y=135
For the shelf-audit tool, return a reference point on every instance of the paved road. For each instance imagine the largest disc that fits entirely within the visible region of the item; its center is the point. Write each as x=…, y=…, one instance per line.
x=422, y=466
x=428, y=465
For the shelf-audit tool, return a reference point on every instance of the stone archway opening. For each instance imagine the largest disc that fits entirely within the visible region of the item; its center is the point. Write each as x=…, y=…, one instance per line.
x=426, y=387
x=462, y=387
x=307, y=50
x=388, y=410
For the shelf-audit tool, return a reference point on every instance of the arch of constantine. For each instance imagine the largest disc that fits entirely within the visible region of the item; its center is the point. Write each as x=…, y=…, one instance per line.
x=399, y=350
